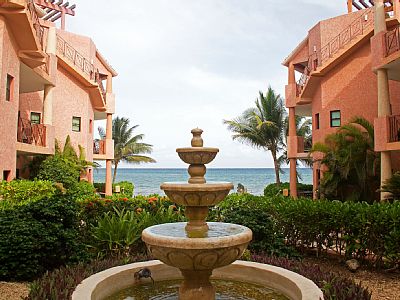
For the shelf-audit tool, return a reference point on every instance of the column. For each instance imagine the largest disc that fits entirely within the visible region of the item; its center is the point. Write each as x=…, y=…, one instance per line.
x=383, y=95
x=349, y=6
x=292, y=161
x=108, y=161
x=48, y=105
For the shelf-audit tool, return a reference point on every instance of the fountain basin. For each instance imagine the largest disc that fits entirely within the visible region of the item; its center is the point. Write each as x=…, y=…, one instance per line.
x=197, y=155
x=224, y=244
x=201, y=194
x=106, y=283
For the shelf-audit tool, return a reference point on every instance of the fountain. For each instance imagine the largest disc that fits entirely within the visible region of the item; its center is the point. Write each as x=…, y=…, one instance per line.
x=196, y=248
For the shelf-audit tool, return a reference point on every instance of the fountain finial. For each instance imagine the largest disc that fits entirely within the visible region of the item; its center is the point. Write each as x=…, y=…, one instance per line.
x=197, y=141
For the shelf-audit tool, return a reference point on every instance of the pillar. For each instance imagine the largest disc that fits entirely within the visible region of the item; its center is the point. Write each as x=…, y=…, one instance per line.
x=383, y=94
x=51, y=46
x=292, y=161
x=108, y=190
x=349, y=6
x=48, y=105
x=384, y=110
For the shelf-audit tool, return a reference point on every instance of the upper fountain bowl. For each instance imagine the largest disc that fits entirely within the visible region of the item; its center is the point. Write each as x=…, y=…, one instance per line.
x=197, y=155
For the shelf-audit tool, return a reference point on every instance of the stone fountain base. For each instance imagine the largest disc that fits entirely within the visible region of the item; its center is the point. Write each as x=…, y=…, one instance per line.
x=104, y=284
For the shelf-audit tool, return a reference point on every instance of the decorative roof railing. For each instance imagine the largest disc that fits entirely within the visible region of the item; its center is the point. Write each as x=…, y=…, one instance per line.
x=318, y=58
x=81, y=62
x=392, y=41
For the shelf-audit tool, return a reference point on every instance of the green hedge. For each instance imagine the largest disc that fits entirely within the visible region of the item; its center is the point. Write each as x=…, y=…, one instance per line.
x=355, y=229
x=126, y=187
x=39, y=236
x=273, y=189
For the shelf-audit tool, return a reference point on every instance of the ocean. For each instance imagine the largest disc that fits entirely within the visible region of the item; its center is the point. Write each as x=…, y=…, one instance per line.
x=147, y=181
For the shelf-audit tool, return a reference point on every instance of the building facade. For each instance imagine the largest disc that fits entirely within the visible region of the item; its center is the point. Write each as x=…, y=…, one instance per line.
x=55, y=84
x=347, y=66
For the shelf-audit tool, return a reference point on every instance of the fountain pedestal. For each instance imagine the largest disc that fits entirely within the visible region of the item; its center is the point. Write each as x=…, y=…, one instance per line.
x=197, y=247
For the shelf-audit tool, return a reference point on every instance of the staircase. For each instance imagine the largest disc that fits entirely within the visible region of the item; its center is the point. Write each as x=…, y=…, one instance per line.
x=335, y=48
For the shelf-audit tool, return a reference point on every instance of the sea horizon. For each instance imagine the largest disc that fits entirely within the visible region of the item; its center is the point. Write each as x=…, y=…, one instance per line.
x=148, y=180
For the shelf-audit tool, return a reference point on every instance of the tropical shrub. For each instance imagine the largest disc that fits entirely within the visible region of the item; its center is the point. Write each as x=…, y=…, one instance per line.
x=61, y=283
x=352, y=163
x=81, y=191
x=334, y=286
x=19, y=192
x=125, y=186
x=59, y=169
x=393, y=185
x=254, y=212
x=39, y=236
x=273, y=189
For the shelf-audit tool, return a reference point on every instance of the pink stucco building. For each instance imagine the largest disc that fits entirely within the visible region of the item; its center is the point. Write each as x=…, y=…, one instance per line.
x=348, y=66
x=54, y=84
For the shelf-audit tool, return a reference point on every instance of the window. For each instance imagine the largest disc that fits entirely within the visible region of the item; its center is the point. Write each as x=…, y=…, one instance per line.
x=9, y=87
x=316, y=121
x=35, y=118
x=76, y=124
x=335, y=118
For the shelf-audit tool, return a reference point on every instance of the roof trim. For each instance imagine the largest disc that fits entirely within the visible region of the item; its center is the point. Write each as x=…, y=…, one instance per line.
x=295, y=51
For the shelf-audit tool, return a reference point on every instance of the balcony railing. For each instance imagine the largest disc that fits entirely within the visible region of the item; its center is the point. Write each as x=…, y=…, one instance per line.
x=79, y=61
x=319, y=57
x=392, y=41
x=394, y=129
x=28, y=133
x=99, y=147
x=35, y=22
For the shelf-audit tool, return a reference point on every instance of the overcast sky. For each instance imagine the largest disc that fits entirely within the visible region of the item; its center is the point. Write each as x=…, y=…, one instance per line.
x=192, y=63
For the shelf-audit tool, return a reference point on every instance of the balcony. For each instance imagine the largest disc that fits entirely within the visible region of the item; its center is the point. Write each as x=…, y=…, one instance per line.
x=387, y=133
x=103, y=149
x=34, y=138
x=297, y=148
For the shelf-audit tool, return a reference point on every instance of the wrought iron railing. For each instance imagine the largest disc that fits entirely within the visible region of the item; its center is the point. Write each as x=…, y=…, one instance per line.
x=99, y=147
x=28, y=133
x=318, y=58
x=392, y=41
x=35, y=22
x=394, y=129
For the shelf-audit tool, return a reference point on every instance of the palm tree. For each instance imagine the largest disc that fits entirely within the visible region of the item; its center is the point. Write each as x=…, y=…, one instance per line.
x=352, y=162
x=127, y=148
x=262, y=127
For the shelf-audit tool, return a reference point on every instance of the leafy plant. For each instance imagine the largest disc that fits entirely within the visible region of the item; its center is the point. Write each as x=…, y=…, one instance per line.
x=126, y=188
x=61, y=283
x=352, y=163
x=392, y=185
x=273, y=189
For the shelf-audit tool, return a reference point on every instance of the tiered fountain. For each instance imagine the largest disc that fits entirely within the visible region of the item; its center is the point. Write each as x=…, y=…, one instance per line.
x=197, y=247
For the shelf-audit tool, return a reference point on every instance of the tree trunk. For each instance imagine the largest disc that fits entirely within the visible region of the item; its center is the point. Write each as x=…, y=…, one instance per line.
x=276, y=166
x=115, y=171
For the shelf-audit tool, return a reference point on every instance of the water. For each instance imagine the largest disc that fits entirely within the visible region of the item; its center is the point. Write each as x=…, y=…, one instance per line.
x=177, y=230
x=225, y=290
x=147, y=181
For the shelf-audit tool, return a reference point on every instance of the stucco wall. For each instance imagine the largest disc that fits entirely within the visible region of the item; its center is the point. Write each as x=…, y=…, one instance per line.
x=9, y=64
x=71, y=99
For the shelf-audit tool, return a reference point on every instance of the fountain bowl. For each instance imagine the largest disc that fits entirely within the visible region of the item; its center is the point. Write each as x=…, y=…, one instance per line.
x=106, y=283
x=201, y=194
x=224, y=244
x=197, y=155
